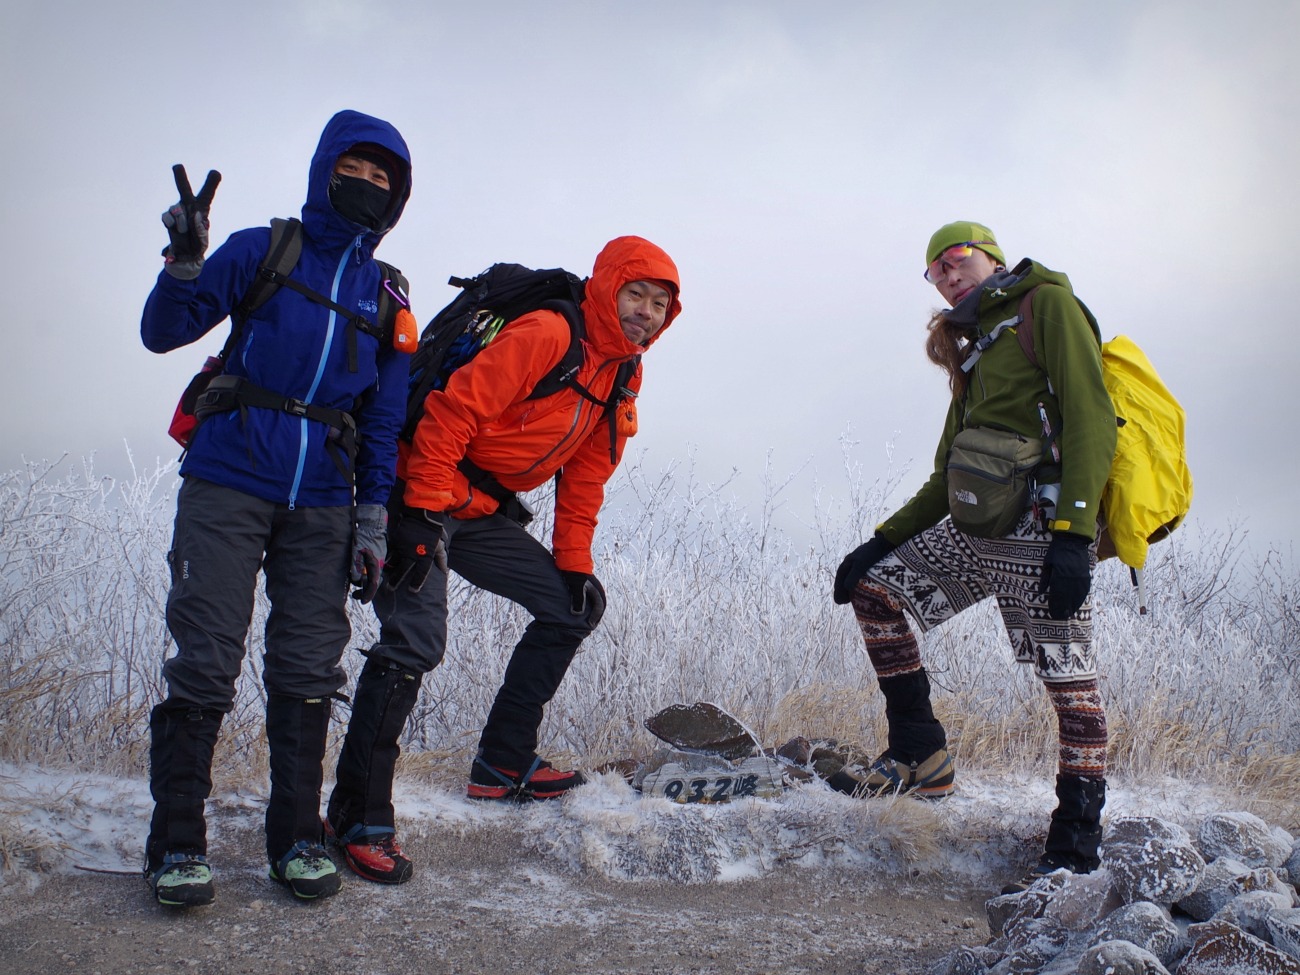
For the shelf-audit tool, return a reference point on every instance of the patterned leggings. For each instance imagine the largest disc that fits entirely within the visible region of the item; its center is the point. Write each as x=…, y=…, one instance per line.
x=941, y=572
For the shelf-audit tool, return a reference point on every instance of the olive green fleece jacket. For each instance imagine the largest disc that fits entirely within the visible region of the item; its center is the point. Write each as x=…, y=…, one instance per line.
x=1006, y=388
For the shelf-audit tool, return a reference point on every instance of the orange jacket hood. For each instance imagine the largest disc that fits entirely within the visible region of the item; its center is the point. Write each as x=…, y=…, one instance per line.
x=622, y=260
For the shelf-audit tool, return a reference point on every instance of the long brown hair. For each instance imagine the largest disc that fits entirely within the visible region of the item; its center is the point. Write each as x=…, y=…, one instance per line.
x=947, y=346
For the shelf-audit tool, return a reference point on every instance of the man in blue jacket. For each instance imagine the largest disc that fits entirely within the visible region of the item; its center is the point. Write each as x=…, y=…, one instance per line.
x=296, y=488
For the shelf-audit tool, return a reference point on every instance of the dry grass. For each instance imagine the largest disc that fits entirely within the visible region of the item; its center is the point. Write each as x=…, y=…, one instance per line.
x=26, y=847
x=708, y=604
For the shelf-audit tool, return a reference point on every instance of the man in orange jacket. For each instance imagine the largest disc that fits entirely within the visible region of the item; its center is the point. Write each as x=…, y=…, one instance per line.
x=481, y=439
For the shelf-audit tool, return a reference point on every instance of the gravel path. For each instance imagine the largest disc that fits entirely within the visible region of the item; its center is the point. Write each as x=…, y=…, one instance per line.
x=479, y=904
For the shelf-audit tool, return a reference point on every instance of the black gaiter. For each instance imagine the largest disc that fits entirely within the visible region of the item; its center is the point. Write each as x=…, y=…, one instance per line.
x=359, y=200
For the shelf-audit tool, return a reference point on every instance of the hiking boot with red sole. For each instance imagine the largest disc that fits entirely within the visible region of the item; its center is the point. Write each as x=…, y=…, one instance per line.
x=541, y=781
x=372, y=853
x=932, y=778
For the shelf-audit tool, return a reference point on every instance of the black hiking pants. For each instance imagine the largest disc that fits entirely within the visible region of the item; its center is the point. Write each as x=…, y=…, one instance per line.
x=492, y=553
x=223, y=537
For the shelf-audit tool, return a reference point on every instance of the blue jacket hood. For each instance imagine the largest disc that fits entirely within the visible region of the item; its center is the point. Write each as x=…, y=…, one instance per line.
x=320, y=220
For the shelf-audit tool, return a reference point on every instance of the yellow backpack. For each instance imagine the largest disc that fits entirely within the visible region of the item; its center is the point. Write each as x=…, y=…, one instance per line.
x=1149, y=490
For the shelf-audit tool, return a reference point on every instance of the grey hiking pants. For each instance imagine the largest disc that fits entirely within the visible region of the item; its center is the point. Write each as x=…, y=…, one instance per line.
x=222, y=538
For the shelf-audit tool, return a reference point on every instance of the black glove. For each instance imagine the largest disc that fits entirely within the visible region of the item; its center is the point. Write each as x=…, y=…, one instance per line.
x=856, y=564
x=416, y=545
x=187, y=225
x=1067, y=575
x=586, y=596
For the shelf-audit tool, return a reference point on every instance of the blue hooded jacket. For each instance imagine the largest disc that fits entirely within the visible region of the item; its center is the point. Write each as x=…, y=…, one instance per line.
x=296, y=347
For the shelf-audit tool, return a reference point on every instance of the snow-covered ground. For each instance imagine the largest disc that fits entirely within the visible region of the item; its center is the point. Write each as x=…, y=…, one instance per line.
x=602, y=881
x=984, y=835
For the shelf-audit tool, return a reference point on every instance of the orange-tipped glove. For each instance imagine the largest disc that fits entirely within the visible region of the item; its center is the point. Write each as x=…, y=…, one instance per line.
x=419, y=543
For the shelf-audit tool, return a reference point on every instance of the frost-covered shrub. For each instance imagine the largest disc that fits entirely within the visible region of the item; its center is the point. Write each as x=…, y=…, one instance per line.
x=709, y=600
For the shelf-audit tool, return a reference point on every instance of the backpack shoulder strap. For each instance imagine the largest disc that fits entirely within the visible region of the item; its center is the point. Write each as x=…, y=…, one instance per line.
x=567, y=368
x=565, y=374
x=281, y=258
x=1025, y=333
x=393, y=291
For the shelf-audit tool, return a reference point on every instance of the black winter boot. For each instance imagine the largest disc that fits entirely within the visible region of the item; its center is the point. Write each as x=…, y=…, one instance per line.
x=295, y=732
x=182, y=739
x=1075, y=833
x=538, y=665
x=363, y=787
x=914, y=732
x=1074, y=836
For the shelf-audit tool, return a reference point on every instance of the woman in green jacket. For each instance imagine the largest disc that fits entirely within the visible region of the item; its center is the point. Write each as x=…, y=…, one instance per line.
x=1038, y=563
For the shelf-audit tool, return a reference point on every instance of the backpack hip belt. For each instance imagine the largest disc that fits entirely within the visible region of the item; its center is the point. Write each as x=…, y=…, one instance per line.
x=508, y=502
x=226, y=393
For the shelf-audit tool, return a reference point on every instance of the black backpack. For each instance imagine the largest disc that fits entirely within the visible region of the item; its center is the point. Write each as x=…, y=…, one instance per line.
x=487, y=303
x=210, y=391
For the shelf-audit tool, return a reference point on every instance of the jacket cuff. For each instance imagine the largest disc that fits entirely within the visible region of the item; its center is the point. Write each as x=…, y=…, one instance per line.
x=574, y=562
x=416, y=497
x=1079, y=528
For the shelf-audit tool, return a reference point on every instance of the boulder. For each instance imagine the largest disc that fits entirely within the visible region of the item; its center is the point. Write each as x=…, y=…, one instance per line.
x=1292, y=865
x=1243, y=837
x=703, y=727
x=1137, y=830
x=1284, y=931
x=971, y=960
x=1146, y=925
x=1119, y=958
x=1007, y=910
x=1219, y=948
x=1084, y=899
x=1224, y=879
x=1250, y=910
x=1043, y=941
x=1161, y=870
x=689, y=777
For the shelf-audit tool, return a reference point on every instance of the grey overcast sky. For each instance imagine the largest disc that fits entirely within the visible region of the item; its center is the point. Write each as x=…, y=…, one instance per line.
x=793, y=157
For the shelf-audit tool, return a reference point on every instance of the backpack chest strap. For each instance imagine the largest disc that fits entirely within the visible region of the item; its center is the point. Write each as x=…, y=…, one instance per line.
x=355, y=323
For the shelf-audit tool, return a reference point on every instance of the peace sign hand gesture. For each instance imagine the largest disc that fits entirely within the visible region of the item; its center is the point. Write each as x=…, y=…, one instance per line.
x=187, y=225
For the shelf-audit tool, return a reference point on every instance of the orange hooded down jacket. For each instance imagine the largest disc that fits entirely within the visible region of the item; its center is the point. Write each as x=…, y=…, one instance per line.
x=484, y=412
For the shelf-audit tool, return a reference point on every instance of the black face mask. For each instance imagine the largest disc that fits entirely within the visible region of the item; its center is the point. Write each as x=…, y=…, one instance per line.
x=359, y=200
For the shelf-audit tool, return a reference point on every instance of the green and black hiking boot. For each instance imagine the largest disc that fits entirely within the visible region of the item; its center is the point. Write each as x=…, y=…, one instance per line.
x=307, y=871
x=932, y=778
x=183, y=880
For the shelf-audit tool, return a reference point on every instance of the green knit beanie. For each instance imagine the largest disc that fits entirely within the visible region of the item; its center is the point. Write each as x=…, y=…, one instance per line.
x=964, y=232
